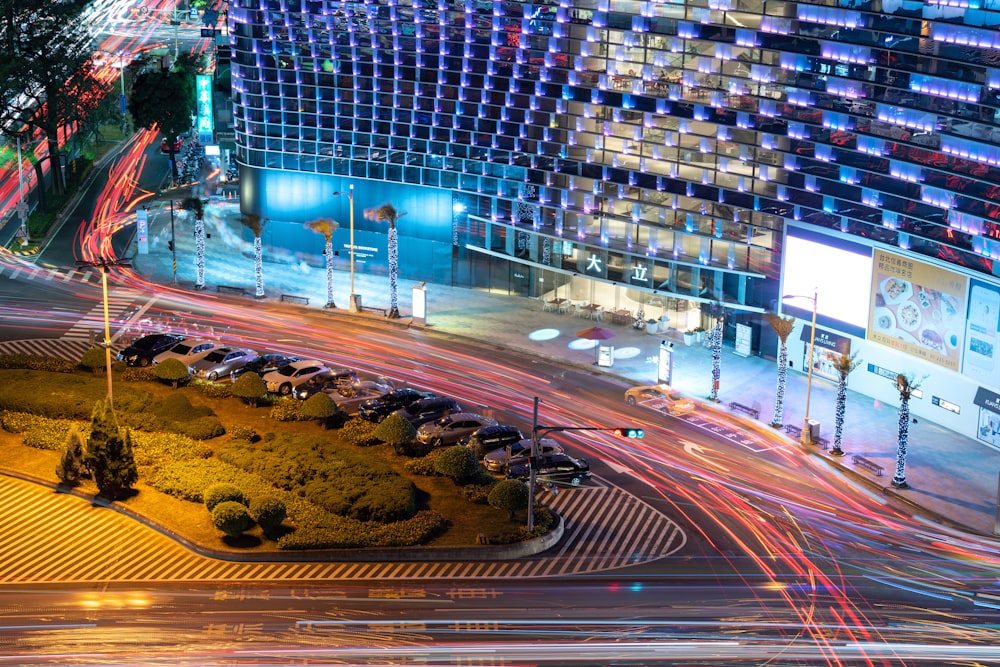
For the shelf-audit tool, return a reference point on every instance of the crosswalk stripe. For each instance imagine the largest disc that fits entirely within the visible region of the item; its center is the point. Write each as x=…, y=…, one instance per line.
x=68, y=350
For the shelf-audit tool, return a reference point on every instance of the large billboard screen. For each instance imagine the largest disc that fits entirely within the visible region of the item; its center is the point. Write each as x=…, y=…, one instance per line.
x=918, y=308
x=981, y=331
x=836, y=270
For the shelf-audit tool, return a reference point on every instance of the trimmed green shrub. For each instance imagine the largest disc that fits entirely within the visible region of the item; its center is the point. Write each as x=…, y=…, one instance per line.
x=214, y=389
x=70, y=468
x=240, y=432
x=510, y=495
x=320, y=406
x=223, y=493
x=95, y=360
x=172, y=371
x=137, y=374
x=268, y=512
x=161, y=448
x=423, y=465
x=396, y=431
x=250, y=388
x=231, y=518
x=178, y=407
x=287, y=409
x=360, y=432
x=457, y=462
x=36, y=363
x=202, y=428
x=479, y=493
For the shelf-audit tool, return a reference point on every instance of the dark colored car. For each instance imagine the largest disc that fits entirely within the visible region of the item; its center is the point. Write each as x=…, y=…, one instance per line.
x=557, y=469
x=428, y=409
x=263, y=364
x=497, y=460
x=377, y=409
x=142, y=351
x=489, y=438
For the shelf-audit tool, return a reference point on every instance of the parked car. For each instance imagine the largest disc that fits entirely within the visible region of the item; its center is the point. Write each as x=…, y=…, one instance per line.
x=428, y=409
x=556, y=469
x=142, y=350
x=451, y=428
x=331, y=382
x=287, y=378
x=497, y=460
x=660, y=397
x=222, y=361
x=187, y=351
x=489, y=438
x=378, y=408
x=262, y=365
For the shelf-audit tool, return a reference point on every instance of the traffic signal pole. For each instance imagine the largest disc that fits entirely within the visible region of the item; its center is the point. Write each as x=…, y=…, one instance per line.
x=536, y=434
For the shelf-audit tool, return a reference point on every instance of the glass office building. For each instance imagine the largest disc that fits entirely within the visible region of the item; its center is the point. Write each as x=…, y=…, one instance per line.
x=656, y=148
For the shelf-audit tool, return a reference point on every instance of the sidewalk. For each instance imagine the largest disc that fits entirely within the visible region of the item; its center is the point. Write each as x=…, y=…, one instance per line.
x=951, y=476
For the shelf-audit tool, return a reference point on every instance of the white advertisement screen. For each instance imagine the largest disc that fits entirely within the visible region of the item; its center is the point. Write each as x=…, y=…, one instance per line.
x=838, y=271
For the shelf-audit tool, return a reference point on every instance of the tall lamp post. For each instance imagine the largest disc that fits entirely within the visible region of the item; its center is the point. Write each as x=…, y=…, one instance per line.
x=806, y=437
x=103, y=265
x=350, y=197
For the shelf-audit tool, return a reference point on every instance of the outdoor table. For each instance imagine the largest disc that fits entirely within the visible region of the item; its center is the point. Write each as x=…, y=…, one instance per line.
x=621, y=316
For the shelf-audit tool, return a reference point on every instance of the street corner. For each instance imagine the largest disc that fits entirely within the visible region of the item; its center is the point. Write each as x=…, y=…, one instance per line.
x=23, y=250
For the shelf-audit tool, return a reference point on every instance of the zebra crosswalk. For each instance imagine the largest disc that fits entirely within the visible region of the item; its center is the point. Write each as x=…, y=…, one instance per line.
x=58, y=348
x=93, y=321
x=63, y=537
x=28, y=271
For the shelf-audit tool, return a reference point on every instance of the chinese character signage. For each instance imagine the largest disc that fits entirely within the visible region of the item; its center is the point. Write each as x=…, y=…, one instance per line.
x=917, y=308
x=205, y=118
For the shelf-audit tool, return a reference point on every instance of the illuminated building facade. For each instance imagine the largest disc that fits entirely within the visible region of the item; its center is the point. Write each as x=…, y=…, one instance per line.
x=658, y=147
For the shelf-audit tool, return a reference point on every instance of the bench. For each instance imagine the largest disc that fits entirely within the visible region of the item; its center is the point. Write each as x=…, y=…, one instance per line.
x=375, y=309
x=862, y=462
x=793, y=430
x=304, y=300
x=230, y=289
x=739, y=407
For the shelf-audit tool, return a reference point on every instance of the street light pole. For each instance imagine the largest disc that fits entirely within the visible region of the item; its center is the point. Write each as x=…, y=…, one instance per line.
x=22, y=208
x=173, y=242
x=103, y=265
x=350, y=197
x=806, y=437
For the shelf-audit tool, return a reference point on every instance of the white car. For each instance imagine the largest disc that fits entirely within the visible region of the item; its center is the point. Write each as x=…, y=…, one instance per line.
x=187, y=352
x=284, y=380
x=660, y=397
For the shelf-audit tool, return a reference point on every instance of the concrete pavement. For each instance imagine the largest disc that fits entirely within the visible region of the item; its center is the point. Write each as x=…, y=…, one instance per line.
x=952, y=477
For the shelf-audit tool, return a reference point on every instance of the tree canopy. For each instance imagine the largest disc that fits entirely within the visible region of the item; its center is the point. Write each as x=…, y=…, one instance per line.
x=165, y=99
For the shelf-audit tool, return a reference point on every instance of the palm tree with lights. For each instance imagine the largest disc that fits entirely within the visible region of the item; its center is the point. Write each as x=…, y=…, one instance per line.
x=844, y=365
x=715, y=340
x=255, y=224
x=782, y=327
x=197, y=207
x=905, y=385
x=388, y=213
x=326, y=227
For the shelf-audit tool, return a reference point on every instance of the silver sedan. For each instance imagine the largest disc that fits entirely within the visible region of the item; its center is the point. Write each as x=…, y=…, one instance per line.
x=221, y=362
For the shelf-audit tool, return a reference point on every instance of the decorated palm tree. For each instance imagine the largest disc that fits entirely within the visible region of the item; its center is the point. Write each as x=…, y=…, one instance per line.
x=905, y=386
x=844, y=365
x=197, y=207
x=256, y=224
x=782, y=327
x=715, y=340
x=388, y=213
x=326, y=227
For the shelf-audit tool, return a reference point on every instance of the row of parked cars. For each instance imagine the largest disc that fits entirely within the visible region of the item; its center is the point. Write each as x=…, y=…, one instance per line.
x=439, y=420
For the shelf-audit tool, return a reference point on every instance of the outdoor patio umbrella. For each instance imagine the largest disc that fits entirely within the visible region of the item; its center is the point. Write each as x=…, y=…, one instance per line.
x=596, y=333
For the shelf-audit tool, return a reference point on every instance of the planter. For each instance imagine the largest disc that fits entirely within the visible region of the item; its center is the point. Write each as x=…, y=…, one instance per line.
x=652, y=326
x=688, y=338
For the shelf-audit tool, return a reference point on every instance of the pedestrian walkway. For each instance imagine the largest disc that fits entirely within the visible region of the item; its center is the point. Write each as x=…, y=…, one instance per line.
x=951, y=476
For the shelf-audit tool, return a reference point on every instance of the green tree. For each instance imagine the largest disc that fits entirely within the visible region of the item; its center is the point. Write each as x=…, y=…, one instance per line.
x=172, y=371
x=845, y=364
x=320, y=406
x=396, y=431
x=95, y=360
x=45, y=79
x=510, y=495
x=388, y=213
x=249, y=387
x=71, y=467
x=165, y=99
x=109, y=453
x=268, y=512
x=223, y=493
x=232, y=518
x=457, y=462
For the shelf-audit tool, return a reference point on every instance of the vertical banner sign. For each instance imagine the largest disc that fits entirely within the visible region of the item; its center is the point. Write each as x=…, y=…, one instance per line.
x=206, y=117
x=142, y=230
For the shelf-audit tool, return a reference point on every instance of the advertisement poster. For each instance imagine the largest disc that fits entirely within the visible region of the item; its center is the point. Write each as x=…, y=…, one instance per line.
x=917, y=308
x=981, y=328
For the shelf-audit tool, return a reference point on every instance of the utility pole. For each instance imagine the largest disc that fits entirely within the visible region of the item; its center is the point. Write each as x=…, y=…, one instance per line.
x=103, y=265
